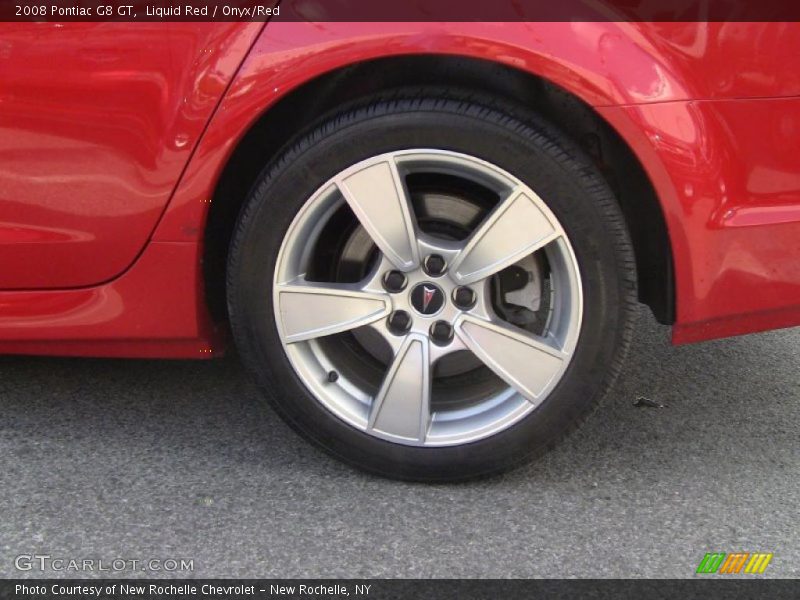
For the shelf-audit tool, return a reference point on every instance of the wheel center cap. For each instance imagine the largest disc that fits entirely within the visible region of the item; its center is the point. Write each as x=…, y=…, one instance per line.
x=427, y=298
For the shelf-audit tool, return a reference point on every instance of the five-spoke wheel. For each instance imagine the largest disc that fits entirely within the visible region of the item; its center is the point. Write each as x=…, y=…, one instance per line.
x=429, y=296
x=432, y=289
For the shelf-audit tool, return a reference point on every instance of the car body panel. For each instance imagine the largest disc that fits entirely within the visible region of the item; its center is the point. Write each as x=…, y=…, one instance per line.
x=719, y=142
x=727, y=173
x=152, y=310
x=98, y=121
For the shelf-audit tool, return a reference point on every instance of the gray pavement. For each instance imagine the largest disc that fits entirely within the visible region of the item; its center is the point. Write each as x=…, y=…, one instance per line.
x=108, y=459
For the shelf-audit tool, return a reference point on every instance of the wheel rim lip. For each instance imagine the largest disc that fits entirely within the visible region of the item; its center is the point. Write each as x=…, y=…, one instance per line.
x=350, y=403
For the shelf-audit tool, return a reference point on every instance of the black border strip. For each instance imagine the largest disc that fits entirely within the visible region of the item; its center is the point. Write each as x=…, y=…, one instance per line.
x=400, y=10
x=383, y=589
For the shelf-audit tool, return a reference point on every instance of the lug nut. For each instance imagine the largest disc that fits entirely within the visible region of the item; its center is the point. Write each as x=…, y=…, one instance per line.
x=394, y=282
x=442, y=333
x=434, y=265
x=464, y=298
x=399, y=322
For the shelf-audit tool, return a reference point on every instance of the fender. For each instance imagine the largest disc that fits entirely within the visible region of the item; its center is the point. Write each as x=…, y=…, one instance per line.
x=289, y=54
x=729, y=185
x=682, y=118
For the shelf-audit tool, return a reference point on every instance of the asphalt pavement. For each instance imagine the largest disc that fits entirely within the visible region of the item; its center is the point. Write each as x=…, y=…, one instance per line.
x=141, y=460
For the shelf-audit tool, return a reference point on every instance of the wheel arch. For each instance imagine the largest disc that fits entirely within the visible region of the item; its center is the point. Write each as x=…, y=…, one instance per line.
x=302, y=106
x=269, y=104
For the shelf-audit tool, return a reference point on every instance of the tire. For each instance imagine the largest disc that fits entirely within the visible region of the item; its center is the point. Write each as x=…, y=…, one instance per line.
x=587, y=275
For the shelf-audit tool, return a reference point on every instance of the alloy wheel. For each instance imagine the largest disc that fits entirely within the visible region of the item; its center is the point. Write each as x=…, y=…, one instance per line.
x=434, y=338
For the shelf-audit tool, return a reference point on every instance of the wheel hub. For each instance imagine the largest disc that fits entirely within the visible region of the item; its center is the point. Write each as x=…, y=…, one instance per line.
x=427, y=299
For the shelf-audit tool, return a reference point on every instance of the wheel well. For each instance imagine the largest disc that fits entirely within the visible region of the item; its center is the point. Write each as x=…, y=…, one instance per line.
x=301, y=108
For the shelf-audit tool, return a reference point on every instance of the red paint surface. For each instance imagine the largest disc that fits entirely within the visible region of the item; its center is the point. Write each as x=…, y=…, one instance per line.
x=151, y=310
x=728, y=175
x=97, y=121
x=711, y=110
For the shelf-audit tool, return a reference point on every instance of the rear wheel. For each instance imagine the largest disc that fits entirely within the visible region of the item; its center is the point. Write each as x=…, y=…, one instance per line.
x=431, y=289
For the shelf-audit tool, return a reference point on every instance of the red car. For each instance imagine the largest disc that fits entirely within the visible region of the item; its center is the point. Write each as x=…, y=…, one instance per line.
x=426, y=240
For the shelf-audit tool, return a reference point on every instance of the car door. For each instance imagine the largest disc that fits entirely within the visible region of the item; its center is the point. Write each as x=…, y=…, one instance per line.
x=97, y=121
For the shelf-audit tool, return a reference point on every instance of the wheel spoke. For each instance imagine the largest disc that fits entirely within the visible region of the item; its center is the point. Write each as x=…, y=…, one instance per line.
x=402, y=406
x=312, y=310
x=526, y=362
x=513, y=230
x=379, y=199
